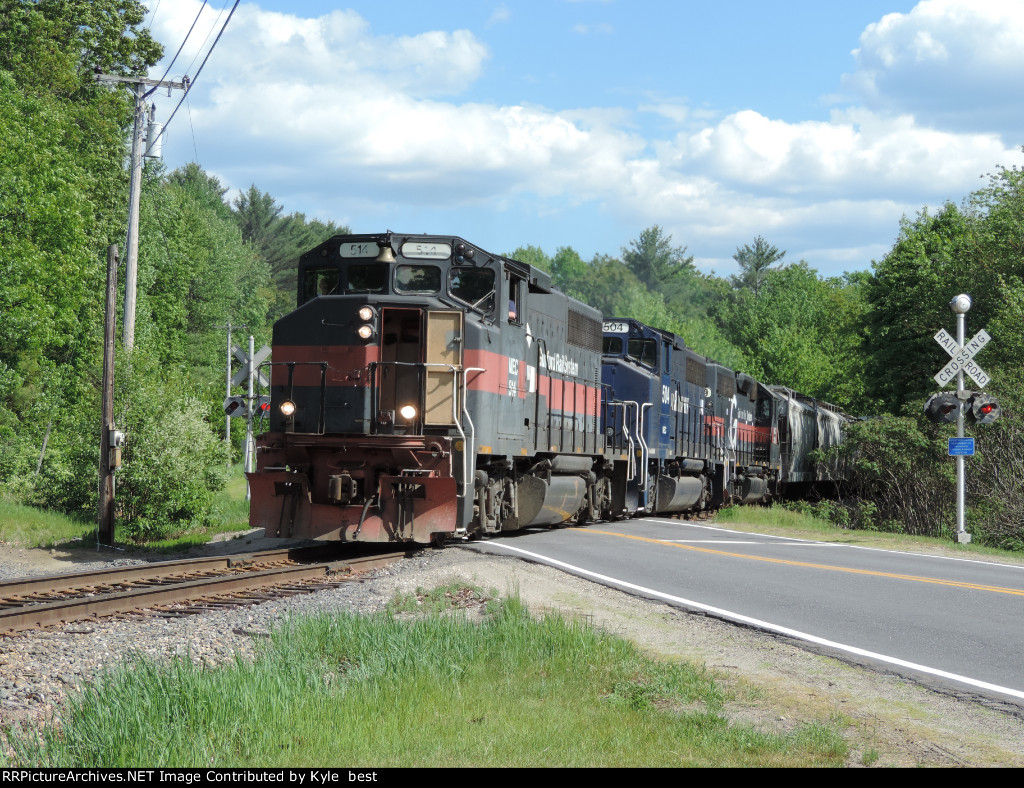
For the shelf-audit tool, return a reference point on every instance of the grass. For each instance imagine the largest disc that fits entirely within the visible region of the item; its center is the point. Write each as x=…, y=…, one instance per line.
x=27, y=526
x=780, y=521
x=434, y=690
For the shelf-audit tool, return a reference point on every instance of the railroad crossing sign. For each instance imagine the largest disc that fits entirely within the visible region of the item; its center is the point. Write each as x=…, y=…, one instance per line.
x=243, y=374
x=962, y=358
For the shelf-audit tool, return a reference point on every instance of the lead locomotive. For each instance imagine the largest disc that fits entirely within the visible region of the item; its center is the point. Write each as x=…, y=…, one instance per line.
x=425, y=388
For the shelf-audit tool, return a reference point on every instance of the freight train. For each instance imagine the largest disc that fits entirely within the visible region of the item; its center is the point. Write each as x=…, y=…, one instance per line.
x=425, y=388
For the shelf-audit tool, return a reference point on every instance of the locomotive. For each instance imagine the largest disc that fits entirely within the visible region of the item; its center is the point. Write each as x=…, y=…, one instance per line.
x=425, y=388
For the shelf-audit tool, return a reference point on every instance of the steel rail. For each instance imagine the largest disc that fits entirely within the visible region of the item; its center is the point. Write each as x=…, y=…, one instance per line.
x=66, y=610
x=67, y=581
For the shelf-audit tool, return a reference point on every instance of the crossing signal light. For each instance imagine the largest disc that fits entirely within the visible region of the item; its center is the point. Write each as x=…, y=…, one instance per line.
x=983, y=409
x=262, y=407
x=942, y=408
x=235, y=407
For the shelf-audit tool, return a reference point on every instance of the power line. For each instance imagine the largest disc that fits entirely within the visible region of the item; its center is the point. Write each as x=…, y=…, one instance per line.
x=200, y=71
x=187, y=35
x=208, y=32
x=152, y=18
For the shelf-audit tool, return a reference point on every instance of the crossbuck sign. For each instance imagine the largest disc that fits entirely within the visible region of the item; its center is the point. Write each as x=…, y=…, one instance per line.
x=962, y=358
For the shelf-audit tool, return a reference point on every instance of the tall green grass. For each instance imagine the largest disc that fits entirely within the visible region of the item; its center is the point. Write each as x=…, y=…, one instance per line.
x=26, y=526
x=435, y=691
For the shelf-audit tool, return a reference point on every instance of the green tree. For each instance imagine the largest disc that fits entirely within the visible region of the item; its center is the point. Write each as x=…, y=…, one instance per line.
x=908, y=296
x=172, y=463
x=279, y=240
x=531, y=255
x=755, y=262
x=801, y=331
x=568, y=269
x=654, y=261
x=56, y=46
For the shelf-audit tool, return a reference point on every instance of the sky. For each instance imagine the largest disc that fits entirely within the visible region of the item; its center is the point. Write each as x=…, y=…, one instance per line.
x=816, y=125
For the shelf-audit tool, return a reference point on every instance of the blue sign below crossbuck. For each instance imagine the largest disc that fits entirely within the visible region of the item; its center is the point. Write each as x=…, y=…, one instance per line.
x=961, y=447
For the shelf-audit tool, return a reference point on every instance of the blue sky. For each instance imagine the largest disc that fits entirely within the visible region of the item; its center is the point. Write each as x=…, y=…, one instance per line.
x=581, y=122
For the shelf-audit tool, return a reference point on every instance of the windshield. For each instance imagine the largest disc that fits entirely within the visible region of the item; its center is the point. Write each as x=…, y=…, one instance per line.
x=417, y=279
x=319, y=281
x=370, y=278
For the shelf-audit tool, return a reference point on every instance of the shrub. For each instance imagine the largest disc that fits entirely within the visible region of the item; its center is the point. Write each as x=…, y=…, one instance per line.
x=172, y=463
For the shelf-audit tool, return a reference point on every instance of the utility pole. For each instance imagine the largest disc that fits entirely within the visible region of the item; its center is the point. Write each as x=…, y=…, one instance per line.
x=142, y=112
x=105, y=518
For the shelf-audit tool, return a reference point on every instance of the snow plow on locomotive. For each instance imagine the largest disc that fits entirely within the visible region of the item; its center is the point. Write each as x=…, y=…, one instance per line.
x=425, y=388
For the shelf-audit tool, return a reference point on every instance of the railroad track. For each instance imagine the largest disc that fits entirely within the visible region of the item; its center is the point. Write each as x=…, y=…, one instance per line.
x=177, y=588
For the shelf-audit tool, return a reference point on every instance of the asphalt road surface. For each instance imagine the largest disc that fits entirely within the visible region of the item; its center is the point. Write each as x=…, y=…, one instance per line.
x=943, y=621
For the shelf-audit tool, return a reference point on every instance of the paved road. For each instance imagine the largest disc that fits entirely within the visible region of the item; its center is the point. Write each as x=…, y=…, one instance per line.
x=947, y=621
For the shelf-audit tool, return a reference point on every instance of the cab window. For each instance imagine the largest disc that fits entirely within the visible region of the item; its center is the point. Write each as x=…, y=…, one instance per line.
x=417, y=279
x=473, y=286
x=612, y=346
x=644, y=351
x=318, y=282
x=516, y=300
x=371, y=278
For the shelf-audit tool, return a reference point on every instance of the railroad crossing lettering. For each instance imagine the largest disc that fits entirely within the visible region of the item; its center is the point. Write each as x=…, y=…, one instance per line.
x=962, y=358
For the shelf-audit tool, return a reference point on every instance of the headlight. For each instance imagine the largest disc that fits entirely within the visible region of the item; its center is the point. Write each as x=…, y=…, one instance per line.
x=366, y=313
x=287, y=408
x=365, y=331
x=407, y=412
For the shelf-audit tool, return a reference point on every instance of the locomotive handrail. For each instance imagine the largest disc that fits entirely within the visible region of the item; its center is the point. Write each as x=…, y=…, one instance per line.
x=630, y=464
x=536, y=399
x=470, y=443
x=643, y=444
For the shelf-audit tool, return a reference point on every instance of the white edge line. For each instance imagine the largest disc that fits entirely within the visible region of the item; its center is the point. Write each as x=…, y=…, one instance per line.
x=766, y=625
x=840, y=544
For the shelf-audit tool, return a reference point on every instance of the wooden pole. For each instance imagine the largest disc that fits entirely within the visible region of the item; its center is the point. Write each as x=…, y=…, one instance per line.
x=105, y=522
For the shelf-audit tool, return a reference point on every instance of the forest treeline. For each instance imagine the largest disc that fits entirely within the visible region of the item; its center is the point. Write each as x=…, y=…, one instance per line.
x=862, y=340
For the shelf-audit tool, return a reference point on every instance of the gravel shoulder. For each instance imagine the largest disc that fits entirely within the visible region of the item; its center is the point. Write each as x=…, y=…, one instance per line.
x=773, y=683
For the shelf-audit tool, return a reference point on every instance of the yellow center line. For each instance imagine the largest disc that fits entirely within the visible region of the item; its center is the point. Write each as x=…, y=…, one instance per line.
x=849, y=570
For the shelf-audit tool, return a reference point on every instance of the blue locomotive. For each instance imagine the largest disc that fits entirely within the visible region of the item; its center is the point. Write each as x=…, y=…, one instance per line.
x=425, y=388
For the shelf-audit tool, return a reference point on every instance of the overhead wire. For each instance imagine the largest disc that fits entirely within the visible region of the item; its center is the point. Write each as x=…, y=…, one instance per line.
x=208, y=34
x=152, y=16
x=185, y=41
x=192, y=81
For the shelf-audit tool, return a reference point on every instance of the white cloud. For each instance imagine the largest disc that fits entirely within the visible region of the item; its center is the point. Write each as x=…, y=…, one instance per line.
x=600, y=28
x=264, y=47
x=856, y=152
x=355, y=122
x=954, y=63
x=500, y=15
